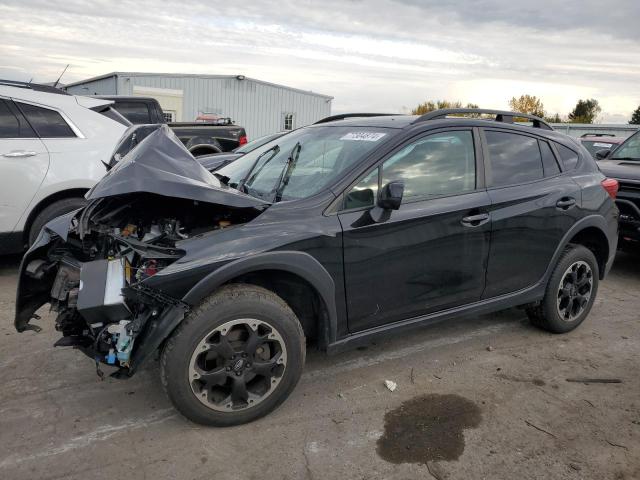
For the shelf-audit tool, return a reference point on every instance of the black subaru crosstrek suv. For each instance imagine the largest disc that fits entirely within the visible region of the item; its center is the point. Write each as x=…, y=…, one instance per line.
x=623, y=164
x=329, y=236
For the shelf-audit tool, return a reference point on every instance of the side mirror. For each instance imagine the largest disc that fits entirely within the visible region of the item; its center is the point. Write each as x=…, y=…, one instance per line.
x=602, y=154
x=390, y=196
x=359, y=198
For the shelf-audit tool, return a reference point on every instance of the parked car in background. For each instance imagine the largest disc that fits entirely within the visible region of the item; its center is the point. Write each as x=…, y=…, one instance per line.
x=218, y=160
x=329, y=236
x=594, y=142
x=623, y=164
x=52, y=149
x=200, y=138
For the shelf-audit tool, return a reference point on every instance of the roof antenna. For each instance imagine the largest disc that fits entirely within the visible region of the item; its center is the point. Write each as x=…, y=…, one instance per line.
x=58, y=81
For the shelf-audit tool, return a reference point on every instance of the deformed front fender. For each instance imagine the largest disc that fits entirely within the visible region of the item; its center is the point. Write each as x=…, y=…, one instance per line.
x=32, y=294
x=298, y=263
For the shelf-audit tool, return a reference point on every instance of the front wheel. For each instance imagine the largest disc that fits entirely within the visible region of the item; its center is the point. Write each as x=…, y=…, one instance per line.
x=235, y=358
x=570, y=292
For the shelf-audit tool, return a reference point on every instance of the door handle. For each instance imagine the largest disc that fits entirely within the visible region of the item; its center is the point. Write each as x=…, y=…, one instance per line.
x=19, y=153
x=475, y=220
x=566, y=203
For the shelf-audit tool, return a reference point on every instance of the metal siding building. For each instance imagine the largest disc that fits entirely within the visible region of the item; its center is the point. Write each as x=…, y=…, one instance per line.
x=578, y=129
x=260, y=107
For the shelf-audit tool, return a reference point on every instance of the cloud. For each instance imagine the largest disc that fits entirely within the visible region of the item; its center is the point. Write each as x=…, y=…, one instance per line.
x=376, y=55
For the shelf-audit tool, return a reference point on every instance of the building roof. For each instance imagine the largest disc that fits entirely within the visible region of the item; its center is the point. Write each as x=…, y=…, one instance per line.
x=193, y=75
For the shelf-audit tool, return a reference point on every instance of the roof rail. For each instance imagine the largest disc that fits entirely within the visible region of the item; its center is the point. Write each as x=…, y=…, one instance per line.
x=597, y=135
x=353, y=115
x=32, y=86
x=501, y=115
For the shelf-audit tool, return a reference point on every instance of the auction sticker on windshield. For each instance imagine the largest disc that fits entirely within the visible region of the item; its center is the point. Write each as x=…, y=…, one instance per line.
x=364, y=136
x=604, y=145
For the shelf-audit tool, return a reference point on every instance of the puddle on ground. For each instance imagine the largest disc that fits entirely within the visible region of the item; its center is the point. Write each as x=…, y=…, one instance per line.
x=427, y=428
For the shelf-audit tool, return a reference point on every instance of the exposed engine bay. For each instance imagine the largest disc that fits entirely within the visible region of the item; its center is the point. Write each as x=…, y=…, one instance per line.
x=91, y=265
x=114, y=244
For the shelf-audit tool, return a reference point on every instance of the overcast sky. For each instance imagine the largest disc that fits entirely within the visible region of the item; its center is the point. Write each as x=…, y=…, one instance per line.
x=377, y=55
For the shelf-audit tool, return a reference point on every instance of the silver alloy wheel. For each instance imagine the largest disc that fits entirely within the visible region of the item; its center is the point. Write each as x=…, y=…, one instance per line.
x=575, y=290
x=237, y=365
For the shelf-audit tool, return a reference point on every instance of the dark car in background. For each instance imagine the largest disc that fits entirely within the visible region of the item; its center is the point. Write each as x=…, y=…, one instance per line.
x=329, y=236
x=200, y=138
x=216, y=161
x=623, y=164
x=594, y=142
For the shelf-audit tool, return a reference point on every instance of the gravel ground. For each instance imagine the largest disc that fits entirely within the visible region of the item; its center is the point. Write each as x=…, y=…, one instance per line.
x=483, y=397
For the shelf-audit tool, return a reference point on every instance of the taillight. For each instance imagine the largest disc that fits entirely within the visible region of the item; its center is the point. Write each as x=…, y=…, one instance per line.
x=243, y=140
x=611, y=186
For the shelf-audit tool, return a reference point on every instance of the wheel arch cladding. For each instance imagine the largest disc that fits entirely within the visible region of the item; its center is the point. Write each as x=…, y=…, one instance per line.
x=276, y=271
x=590, y=232
x=595, y=240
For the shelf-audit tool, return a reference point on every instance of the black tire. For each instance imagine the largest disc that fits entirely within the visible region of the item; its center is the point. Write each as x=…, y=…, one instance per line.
x=52, y=211
x=232, y=303
x=547, y=315
x=202, y=151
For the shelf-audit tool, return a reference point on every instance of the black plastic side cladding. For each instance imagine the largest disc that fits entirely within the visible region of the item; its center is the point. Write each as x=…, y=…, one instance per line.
x=299, y=263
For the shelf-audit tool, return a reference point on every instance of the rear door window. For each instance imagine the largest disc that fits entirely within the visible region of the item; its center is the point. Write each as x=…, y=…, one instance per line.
x=12, y=123
x=47, y=123
x=514, y=158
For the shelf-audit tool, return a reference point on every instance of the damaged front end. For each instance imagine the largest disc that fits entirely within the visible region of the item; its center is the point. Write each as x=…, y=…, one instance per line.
x=91, y=265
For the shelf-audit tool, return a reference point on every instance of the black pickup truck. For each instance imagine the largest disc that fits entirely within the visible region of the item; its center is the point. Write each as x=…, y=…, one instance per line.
x=200, y=138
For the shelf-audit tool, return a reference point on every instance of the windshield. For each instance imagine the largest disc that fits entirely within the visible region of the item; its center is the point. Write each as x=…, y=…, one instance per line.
x=593, y=146
x=303, y=162
x=258, y=142
x=630, y=149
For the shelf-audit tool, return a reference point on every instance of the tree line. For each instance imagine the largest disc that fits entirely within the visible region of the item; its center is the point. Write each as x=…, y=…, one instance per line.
x=585, y=111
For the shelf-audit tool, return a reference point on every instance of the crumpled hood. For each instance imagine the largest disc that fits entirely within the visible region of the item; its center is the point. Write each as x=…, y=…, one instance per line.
x=160, y=164
x=217, y=161
x=620, y=169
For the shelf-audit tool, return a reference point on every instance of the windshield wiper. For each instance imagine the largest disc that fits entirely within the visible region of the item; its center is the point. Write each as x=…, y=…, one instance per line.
x=625, y=158
x=287, y=171
x=275, y=149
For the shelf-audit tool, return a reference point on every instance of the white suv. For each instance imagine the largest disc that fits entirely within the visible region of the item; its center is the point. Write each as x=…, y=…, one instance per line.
x=51, y=150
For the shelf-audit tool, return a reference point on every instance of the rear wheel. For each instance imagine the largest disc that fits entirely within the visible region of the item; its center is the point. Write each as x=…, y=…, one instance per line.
x=235, y=358
x=52, y=211
x=570, y=292
x=205, y=150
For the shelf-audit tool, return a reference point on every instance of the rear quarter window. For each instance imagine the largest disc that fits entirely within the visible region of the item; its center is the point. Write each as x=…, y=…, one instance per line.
x=569, y=157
